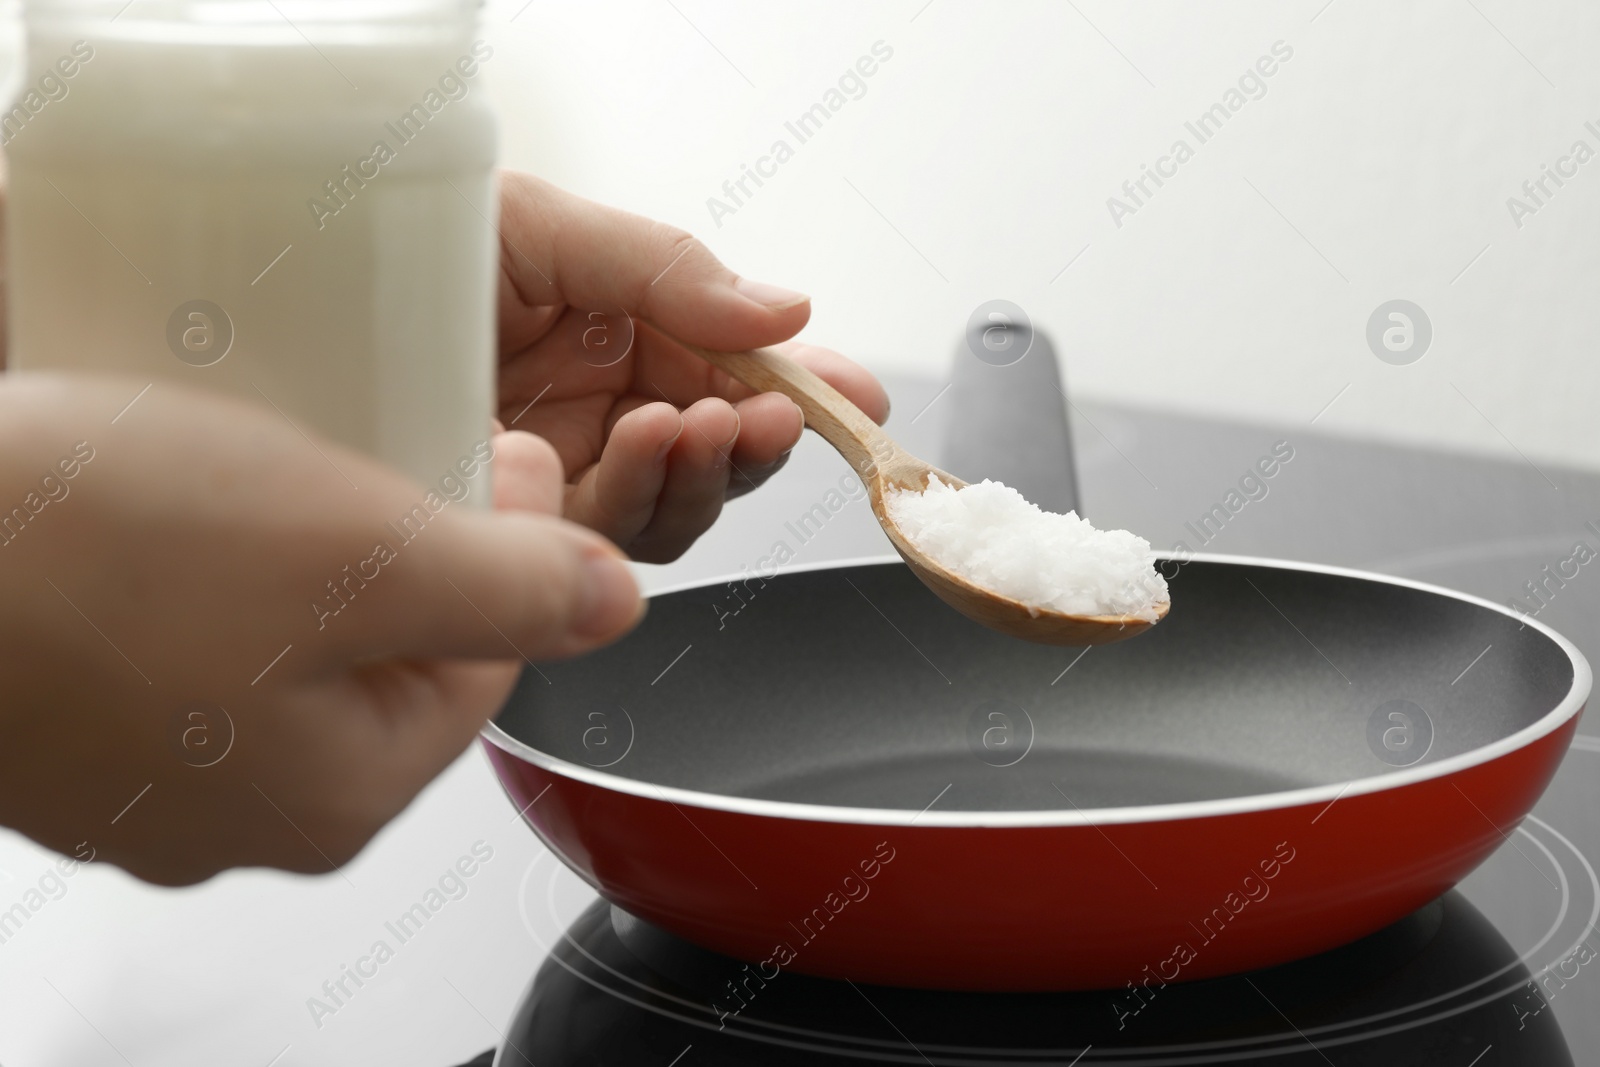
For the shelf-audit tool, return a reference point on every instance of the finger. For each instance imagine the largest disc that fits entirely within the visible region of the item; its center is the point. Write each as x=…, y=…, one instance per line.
x=496, y=585
x=744, y=479
x=527, y=474
x=429, y=711
x=408, y=718
x=696, y=485
x=662, y=369
x=770, y=426
x=858, y=384
x=617, y=496
x=684, y=377
x=561, y=249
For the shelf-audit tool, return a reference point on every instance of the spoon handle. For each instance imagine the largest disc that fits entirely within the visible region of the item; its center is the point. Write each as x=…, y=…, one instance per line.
x=843, y=425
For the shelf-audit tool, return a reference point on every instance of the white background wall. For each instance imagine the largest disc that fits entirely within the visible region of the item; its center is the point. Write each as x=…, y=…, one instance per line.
x=994, y=136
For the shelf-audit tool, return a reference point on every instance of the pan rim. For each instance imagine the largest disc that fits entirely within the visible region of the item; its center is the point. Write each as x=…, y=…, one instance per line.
x=1564, y=711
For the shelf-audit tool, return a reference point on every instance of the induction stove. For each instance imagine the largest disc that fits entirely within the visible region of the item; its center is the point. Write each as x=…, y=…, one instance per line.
x=1504, y=970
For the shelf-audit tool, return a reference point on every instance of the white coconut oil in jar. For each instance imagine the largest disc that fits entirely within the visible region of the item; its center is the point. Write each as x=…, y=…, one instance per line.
x=291, y=201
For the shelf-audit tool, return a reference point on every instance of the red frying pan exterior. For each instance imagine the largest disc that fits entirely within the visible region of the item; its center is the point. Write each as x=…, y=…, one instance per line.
x=1014, y=900
x=1035, y=907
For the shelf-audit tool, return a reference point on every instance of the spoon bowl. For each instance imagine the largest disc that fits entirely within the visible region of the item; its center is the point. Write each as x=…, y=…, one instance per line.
x=884, y=466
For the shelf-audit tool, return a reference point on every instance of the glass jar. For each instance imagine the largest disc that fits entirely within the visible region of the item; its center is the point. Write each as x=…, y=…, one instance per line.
x=292, y=201
x=10, y=47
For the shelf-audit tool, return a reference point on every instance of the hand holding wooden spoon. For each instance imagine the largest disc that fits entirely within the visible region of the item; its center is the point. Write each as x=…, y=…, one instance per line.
x=885, y=466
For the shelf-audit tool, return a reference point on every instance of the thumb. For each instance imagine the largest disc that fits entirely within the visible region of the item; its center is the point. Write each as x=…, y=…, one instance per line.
x=506, y=585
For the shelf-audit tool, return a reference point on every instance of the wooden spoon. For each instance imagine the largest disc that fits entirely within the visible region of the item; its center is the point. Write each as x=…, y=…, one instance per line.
x=884, y=465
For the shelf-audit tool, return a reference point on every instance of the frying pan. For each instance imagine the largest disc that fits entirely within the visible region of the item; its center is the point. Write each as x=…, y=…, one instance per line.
x=847, y=779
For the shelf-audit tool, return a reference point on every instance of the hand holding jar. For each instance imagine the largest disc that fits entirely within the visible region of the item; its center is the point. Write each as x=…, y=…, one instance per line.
x=146, y=602
x=271, y=606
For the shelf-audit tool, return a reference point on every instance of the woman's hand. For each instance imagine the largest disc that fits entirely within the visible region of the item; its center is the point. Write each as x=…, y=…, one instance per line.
x=215, y=652
x=650, y=439
x=205, y=576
